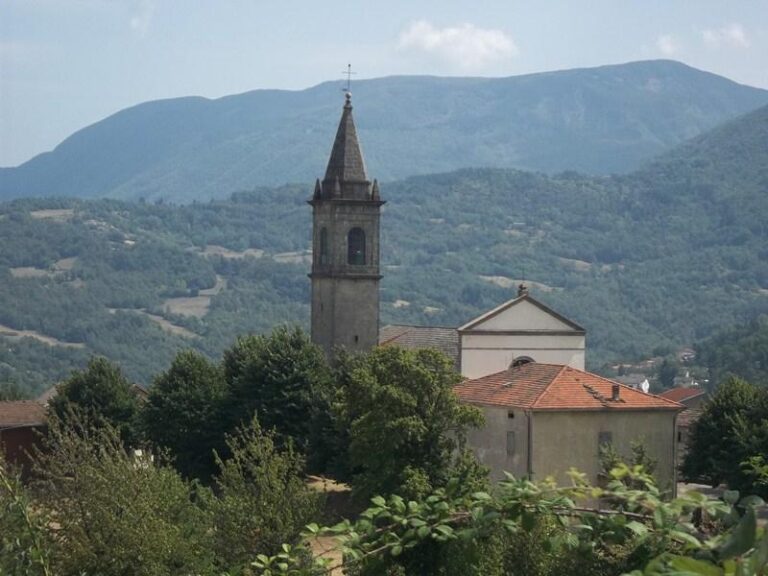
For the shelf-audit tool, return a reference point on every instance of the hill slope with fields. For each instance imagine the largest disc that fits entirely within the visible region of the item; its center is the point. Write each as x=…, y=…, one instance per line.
x=667, y=255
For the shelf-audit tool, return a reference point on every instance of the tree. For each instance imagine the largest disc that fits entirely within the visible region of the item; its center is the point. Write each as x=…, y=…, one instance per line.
x=100, y=393
x=281, y=378
x=731, y=429
x=117, y=514
x=406, y=426
x=262, y=500
x=667, y=371
x=541, y=529
x=183, y=413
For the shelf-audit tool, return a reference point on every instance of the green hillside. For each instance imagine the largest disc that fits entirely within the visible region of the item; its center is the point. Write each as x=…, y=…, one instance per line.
x=598, y=120
x=670, y=254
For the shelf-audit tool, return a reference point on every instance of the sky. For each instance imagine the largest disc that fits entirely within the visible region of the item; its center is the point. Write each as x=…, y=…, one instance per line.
x=65, y=64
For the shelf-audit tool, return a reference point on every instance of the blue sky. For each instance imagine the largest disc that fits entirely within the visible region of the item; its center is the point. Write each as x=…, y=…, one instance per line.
x=65, y=64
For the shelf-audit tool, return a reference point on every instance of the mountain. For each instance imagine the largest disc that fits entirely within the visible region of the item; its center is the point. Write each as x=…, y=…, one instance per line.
x=598, y=120
x=667, y=255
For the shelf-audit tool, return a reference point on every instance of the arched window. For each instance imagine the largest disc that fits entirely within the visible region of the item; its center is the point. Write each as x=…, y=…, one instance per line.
x=356, y=247
x=323, y=246
x=521, y=361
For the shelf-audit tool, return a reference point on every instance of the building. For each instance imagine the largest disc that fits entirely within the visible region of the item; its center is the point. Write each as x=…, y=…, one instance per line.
x=21, y=423
x=693, y=400
x=524, y=362
x=518, y=331
x=543, y=419
x=345, y=248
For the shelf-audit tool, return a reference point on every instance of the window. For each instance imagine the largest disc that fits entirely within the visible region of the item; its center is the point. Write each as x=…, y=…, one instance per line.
x=604, y=439
x=356, y=247
x=510, y=443
x=323, y=246
x=522, y=360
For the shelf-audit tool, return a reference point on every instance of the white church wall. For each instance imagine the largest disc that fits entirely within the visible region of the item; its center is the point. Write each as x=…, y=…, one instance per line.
x=483, y=354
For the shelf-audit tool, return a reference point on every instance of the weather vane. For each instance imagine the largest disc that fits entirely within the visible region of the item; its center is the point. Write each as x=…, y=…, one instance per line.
x=349, y=74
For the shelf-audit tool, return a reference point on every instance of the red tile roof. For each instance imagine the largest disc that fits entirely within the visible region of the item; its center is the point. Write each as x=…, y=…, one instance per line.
x=21, y=413
x=681, y=394
x=556, y=387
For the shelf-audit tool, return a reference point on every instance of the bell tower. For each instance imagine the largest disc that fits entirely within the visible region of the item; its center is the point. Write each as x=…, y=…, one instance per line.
x=345, y=247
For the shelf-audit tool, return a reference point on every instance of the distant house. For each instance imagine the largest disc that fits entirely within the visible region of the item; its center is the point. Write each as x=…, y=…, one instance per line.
x=693, y=400
x=20, y=425
x=543, y=419
x=518, y=331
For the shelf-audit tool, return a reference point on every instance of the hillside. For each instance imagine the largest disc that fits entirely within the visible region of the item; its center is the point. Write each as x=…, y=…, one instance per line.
x=602, y=120
x=667, y=255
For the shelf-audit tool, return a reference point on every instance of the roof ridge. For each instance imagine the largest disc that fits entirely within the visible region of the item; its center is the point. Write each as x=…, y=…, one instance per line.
x=628, y=387
x=556, y=376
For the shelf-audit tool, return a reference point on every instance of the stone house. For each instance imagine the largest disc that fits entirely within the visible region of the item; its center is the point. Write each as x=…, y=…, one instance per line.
x=543, y=419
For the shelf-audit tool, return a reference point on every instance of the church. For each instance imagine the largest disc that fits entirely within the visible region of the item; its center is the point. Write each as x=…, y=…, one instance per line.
x=345, y=276
x=523, y=363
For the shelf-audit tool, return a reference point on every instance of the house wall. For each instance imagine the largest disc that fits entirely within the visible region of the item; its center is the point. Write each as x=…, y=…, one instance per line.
x=17, y=443
x=489, y=443
x=562, y=440
x=488, y=353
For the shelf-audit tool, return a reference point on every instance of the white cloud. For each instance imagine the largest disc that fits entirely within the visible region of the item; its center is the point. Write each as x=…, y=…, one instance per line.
x=732, y=35
x=465, y=46
x=142, y=17
x=667, y=45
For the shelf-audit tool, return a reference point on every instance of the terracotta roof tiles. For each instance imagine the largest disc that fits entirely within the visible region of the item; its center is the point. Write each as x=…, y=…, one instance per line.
x=681, y=394
x=537, y=386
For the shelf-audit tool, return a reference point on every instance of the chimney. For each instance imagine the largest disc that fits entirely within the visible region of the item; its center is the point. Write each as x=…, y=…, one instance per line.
x=615, y=393
x=522, y=290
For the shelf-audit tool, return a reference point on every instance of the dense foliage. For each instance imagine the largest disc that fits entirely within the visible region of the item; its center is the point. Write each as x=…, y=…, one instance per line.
x=404, y=424
x=730, y=439
x=96, y=508
x=528, y=528
x=184, y=414
x=281, y=378
x=740, y=351
x=100, y=393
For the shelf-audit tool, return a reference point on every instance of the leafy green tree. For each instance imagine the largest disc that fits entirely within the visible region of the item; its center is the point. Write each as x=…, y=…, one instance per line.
x=183, y=413
x=117, y=513
x=262, y=500
x=406, y=426
x=668, y=369
x=540, y=529
x=732, y=428
x=100, y=393
x=25, y=543
x=281, y=378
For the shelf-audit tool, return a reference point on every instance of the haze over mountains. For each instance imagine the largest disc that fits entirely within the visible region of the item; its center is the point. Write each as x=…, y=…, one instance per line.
x=602, y=120
x=665, y=255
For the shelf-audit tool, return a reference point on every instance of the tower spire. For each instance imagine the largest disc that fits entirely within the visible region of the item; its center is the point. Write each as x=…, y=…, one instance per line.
x=346, y=162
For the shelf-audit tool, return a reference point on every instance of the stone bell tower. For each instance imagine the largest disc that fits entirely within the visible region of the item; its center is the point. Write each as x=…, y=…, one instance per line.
x=345, y=247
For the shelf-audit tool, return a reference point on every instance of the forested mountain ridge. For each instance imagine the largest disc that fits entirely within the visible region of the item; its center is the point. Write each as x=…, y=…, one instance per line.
x=669, y=254
x=598, y=120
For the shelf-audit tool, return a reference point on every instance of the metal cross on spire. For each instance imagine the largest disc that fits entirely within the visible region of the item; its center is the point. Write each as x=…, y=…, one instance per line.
x=349, y=74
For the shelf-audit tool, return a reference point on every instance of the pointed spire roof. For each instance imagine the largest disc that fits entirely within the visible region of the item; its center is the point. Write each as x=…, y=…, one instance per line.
x=346, y=161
